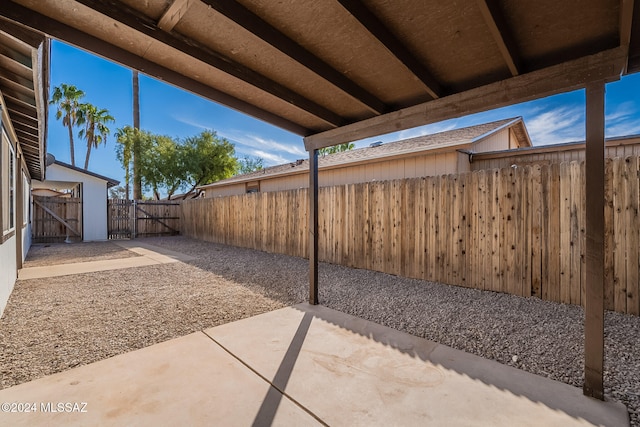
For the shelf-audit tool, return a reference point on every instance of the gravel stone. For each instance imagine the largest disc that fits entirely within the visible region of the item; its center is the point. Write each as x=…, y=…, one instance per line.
x=54, y=324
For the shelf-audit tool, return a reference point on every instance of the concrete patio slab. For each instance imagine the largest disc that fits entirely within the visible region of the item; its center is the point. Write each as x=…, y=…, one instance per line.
x=150, y=255
x=306, y=365
x=348, y=371
x=185, y=381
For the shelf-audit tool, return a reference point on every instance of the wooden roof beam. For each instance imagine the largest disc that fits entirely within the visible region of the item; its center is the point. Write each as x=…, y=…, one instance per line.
x=19, y=97
x=17, y=87
x=571, y=75
x=378, y=29
x=260, y=28
x=29, y=122
x=16, y=67
x=17, y=125
x=626, y=20
x=23, y=137
x=7, y=74
x=503, y=37
x=173, y=14
x=121, y=13
x=82, y=40
x=15, y=56
x=23, y=34
x=17, y=106
x=626, y=24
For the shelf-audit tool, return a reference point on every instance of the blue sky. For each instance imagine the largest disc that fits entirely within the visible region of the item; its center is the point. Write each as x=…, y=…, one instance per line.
x=167, y=110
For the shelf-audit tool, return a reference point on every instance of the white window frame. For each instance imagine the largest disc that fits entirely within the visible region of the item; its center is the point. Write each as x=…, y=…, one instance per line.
x=7, y=190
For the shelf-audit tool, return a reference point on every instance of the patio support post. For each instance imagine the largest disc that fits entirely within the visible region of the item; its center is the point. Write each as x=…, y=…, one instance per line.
x=313, y=227
x=594, y=298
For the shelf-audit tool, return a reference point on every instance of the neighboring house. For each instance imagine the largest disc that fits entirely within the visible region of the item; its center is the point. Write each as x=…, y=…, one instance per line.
x=24, y=80
x=90, y=188
x=621, y=146
x=437, y=154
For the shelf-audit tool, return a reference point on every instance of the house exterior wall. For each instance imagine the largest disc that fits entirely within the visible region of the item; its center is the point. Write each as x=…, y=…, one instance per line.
x=442, y=161
x=9, y=223
x=630, y=147
x=408, y=167
x=94, y=200
x=499, y=141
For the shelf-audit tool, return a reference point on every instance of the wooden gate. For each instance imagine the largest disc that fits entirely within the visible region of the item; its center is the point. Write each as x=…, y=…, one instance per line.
x=119, y=216
x=57, y=219
x=139, y=218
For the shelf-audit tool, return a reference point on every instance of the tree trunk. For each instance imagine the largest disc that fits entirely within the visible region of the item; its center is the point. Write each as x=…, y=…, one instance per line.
x=86, y=159
x=71, y=147
x=137, y=179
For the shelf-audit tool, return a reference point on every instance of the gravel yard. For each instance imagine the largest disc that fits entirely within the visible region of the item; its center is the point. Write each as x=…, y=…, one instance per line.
x=53, y=324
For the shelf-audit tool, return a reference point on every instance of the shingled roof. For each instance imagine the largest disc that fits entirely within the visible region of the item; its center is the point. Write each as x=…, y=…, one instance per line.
x=452, y=138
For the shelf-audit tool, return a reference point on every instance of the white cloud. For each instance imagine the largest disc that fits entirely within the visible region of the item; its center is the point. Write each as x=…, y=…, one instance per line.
x=270, y=159
x=561, y=124
x=622, y=112
x=273, y=152
x=623, y=129
x=622, y=120
x=193, y=123
x=264, y=144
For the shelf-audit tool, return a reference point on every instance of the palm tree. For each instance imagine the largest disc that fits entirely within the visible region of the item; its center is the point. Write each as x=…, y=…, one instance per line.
x=95, y=127
x=66, y=98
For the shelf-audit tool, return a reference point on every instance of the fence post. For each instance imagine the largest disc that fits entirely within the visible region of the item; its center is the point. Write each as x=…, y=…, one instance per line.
x=134, y=219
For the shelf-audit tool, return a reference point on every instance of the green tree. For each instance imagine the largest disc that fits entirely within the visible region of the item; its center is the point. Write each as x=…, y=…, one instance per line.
x=337, y=148
x=118, y=192
x=167, y=165
x=250, y=164
x=207, y=158
x=162, y=166
x=67, y=100
x=95, y=127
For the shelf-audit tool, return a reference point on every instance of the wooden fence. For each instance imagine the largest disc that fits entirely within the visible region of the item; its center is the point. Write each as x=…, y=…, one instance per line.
x=515, y=230
x=56, y=219
x=140, y=218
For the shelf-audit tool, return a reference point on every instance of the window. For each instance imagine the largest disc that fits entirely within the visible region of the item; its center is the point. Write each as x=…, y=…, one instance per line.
x=7, y=189
x=26, y=202
x=253, y=187
x=12, y=187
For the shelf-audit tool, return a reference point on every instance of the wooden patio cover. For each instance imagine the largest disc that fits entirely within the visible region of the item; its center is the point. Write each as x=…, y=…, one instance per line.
x=340, y=70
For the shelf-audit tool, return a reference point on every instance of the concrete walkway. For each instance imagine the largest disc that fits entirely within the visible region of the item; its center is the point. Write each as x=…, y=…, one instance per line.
x=149, y=255
x=303, y=365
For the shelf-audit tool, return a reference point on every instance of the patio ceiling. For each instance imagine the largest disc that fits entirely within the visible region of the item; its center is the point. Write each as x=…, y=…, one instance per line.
x=311, y=66
x=24, y=61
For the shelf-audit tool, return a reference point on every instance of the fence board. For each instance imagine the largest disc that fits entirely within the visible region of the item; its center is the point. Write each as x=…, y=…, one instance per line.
x=632, y=236
x=536, y=231
x=565, y=233
x=575, y=238
x=619, y=201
